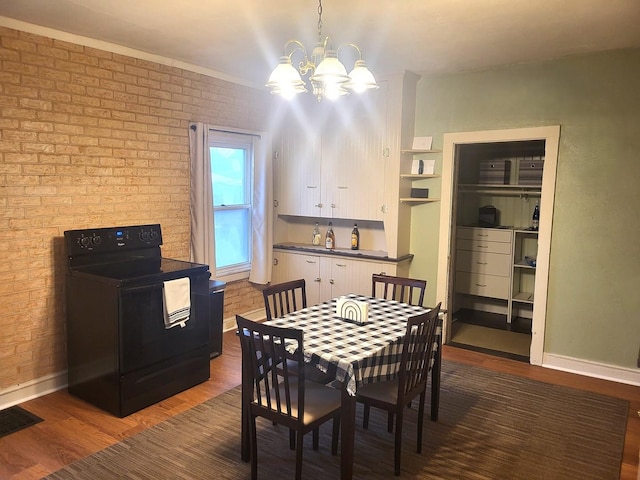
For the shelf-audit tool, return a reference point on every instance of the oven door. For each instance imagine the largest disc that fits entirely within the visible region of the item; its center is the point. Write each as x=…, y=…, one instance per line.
x=143, y=337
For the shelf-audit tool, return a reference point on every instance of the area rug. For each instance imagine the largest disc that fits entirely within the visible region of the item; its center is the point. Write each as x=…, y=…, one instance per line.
x=491, y=426
x=16, y=418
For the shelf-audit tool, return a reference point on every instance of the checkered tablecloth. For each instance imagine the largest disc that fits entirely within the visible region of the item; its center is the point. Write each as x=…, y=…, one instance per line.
x=355, y=353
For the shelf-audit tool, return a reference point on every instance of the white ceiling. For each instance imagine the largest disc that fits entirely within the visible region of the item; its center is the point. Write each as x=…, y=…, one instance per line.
x=242, y=39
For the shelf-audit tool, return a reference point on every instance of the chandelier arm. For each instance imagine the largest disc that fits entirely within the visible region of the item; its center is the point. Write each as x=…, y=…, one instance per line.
x=351, y=45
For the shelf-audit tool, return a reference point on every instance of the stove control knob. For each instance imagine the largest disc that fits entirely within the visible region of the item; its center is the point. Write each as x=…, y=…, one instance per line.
x=144, y=235
x=154, y=235
x=85, y=241
x=96, y=240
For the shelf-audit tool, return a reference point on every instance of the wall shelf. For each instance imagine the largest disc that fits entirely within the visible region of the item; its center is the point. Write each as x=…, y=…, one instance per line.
x=418, y=200
x=418, y=176
x=411, y=151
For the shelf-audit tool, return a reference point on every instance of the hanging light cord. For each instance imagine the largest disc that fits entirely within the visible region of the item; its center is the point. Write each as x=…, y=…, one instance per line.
x=320, y=20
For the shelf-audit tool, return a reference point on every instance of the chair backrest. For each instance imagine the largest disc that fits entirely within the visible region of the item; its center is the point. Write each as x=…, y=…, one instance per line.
x=406, y=290
x=416, y=355
x=269, y=387
x=283, y=298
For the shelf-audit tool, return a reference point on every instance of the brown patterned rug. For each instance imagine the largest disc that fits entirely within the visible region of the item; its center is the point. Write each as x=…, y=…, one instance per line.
x=491, y=426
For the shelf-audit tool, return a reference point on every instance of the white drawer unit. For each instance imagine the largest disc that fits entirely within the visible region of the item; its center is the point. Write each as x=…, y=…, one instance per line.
x=492, y=286
x=485, y=246
x=486, y=234
x=484, y=262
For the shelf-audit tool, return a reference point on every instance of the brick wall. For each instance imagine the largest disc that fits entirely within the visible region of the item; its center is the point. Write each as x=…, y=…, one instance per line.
x=90, y=138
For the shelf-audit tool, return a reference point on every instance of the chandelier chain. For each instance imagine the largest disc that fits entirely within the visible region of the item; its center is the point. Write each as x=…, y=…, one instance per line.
x=320, y=20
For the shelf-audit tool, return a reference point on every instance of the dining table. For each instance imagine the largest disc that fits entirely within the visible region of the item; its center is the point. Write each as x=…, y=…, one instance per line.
x=354, y=353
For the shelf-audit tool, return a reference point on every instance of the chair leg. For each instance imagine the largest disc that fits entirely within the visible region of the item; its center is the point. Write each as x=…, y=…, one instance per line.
x=316, y=438
x=254, y=448
x=335, y=435
x=300, y=443
x=390, y=422
x=292, y=439
x=435, y=384
x=398, y=443
x=421, y=420
x=365, y=416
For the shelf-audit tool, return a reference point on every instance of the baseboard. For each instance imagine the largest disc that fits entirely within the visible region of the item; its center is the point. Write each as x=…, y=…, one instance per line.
x=229, y=323
x=52, y=383
x=32, y=389
x=591, y=369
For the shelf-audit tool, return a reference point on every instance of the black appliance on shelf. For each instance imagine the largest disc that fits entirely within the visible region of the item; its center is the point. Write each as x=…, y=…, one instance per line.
x=121, y=357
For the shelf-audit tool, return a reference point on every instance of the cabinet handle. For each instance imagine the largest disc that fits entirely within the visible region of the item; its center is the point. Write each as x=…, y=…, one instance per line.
x=483, y=246
x=342, y=188
x=319, y=205
x=275, y=261
x=483, y=234
x=331, y=281
x=317, y=279
x=341, y=264
x=333, y=205
x=479, y=285
x=311, y=186
x=482, y=263
x=311, y=261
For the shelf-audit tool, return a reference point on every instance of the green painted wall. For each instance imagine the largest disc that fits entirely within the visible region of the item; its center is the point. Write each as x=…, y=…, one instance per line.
x=593, y=310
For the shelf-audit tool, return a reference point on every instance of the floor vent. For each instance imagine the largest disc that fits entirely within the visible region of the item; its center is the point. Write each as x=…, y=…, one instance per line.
x=16, y=418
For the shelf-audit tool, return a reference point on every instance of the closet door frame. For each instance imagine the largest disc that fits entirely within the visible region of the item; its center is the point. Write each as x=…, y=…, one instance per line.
x=446, y=249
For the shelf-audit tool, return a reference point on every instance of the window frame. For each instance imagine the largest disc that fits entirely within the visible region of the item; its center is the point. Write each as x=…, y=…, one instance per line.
x=219, y=139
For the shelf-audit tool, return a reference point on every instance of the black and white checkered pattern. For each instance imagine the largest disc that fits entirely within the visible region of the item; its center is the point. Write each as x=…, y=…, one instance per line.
x=355, y=353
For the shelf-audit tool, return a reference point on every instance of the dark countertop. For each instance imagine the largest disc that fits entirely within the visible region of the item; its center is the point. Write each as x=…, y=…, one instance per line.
x=341, y=252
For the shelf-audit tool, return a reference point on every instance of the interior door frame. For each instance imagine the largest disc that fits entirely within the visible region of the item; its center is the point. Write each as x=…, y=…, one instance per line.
x=551, y=136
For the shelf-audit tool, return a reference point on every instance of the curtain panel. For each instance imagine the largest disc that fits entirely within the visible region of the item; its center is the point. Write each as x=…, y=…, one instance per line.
x=202, y=213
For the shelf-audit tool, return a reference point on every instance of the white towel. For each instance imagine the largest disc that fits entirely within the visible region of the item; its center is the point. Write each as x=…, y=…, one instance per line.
x=177, y=302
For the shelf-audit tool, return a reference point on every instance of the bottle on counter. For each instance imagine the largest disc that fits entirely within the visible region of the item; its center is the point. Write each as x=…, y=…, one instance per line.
x=355, y=237
x=316, y=239
x=330, y=238
x=535, y=219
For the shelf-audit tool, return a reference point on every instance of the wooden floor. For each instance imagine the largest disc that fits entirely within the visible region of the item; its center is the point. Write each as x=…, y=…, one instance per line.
x=73, y=429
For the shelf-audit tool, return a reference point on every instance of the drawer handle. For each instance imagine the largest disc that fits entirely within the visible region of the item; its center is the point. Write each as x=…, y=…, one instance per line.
x=483, y=246
x=482, y=263
x=478, y=285
x=311, y=261
x=483, y=235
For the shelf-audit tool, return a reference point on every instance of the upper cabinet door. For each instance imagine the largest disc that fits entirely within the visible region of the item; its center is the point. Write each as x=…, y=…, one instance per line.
x=353, y=157
x=297, y=166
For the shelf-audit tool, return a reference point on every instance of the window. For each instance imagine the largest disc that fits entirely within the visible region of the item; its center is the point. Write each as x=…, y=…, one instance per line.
x=232, y=180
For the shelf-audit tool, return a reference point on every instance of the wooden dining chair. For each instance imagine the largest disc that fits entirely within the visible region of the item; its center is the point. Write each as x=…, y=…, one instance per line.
x=287, y=297
x=394, y=395
x=283, y=298
x=270, y=390
x=406, y=290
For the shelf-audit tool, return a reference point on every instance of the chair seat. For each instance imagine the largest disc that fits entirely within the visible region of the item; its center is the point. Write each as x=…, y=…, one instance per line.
x=385, y=391
x=320, y=400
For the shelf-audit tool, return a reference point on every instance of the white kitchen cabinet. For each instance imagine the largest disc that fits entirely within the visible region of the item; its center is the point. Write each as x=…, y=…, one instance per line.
x=296, y=167
x=329, y=159
x=328, y=275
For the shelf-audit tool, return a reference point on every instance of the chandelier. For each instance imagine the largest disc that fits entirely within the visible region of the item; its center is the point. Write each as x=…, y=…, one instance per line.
x=328, y=76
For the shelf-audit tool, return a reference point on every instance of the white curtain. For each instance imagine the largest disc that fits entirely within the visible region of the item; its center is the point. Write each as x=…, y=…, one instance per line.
x=203, y=247
x=262, y=215
x=202, y=219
